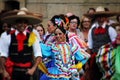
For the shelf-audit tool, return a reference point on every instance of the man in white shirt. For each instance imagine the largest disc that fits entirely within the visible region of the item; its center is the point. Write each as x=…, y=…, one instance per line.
x=16, y=50
x=100, y=34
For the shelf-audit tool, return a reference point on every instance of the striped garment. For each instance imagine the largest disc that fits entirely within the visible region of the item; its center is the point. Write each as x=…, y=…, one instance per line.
x=74, y=39
x=106, y=60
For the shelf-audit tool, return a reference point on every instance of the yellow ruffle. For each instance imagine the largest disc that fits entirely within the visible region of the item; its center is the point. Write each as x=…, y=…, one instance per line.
x=78, y=66
x=31, y=39
x=43, y=68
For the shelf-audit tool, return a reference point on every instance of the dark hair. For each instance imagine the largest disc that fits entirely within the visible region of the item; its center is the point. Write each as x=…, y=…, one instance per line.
x=74, y=17
x=117, y=18
x=42, y=28
x=61, y=27
x=56, y=19
x=106, y=9
x=64, y=31
x=91, y=9
x=62, y=16
x=8, y=25
x=53, y=19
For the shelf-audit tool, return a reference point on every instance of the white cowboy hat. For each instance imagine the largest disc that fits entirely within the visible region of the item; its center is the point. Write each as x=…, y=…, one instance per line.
x=12, y=16
x=100, y=11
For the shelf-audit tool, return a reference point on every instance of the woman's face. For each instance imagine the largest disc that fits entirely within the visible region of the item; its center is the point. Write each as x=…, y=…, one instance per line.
x=86, y=23
x=51, y=27
x=59, y=36
x=40, y=30
x=73, y=24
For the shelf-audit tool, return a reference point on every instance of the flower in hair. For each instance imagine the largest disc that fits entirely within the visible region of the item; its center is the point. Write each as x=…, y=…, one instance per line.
x=58, y=21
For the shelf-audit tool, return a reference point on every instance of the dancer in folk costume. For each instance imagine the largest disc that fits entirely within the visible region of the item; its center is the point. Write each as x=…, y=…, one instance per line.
x=17, y=49
x=63, y=54
x=116, y=50
x=108, y=57
x=99, y=34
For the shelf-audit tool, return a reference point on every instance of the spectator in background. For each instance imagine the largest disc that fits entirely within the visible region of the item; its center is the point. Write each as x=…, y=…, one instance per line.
x=7, y=28
x=85, y=26
x=74, y=26
x=91, y=10
x=41, y=31
x=69, y=14
x=118, y=18
x=75, y=35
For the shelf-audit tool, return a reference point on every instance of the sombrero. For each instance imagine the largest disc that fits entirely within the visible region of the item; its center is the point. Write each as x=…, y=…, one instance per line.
x=12, y=16
x=100, y=11
x=115, y=24
x=117, y=13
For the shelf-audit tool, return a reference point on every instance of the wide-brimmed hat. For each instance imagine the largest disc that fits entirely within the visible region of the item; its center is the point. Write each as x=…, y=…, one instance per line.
x=115, y=24
x=12, y=16
x=100, y=11
x=117, y=13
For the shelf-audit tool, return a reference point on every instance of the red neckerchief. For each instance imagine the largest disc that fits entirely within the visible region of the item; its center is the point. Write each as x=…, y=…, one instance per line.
x=100, y=30
x=20, y=38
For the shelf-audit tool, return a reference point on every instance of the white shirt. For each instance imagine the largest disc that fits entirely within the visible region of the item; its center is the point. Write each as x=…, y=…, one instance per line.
x=112, y=33
x=5, y=43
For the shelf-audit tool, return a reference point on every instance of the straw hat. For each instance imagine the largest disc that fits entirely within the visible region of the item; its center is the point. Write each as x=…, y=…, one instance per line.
x=100, y=11
x=12, y=16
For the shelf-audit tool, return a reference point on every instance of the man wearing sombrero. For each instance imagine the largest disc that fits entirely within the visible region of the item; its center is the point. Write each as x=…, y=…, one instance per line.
x=16, y=50
x=99, y=34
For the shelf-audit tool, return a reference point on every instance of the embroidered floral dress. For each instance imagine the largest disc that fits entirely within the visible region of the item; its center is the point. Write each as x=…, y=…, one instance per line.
x=64, y=56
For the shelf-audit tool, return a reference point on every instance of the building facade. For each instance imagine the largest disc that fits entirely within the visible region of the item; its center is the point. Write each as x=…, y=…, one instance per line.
x=48, y=8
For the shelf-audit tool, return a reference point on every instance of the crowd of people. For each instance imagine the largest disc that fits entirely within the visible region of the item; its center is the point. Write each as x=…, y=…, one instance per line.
x=69, y=48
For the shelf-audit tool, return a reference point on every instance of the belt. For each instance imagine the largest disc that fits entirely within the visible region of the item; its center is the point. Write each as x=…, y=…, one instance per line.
x=20, y=69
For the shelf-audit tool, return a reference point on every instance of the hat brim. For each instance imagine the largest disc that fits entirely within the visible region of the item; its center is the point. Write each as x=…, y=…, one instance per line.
x=117, y=13
x=12, y=19
x=97, y=14
x=9, y=13
x=115, y=24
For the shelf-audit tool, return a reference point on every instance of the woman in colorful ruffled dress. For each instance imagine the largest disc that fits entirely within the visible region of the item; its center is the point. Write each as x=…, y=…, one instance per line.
x=63, y=54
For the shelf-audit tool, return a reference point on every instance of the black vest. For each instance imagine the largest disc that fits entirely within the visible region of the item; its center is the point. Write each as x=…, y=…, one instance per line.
x=23, y=56
x=100, y=39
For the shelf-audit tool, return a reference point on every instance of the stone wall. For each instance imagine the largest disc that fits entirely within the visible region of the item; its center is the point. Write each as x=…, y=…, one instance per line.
x=51, y=7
